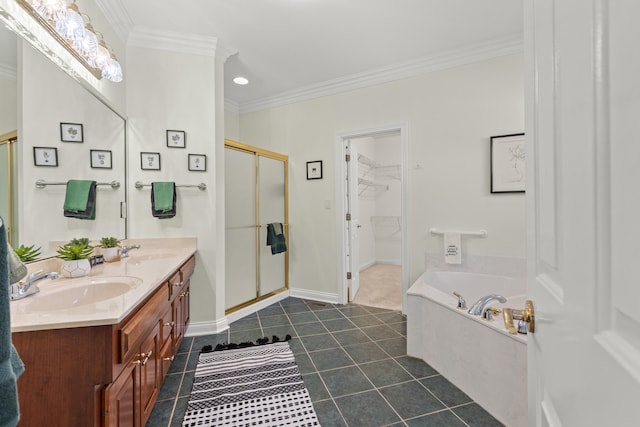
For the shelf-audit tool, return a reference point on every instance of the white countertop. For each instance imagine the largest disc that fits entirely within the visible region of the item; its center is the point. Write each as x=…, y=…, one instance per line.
x=153, y=263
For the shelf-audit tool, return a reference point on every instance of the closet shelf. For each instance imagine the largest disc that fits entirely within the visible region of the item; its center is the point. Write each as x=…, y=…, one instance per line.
x=377, y=170
x=366, y=184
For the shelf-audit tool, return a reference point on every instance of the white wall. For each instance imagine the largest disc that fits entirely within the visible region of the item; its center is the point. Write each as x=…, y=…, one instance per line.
x=170, y=90
x=232, y=125
x=450, y=116
x=8, y=110
x=49, y=97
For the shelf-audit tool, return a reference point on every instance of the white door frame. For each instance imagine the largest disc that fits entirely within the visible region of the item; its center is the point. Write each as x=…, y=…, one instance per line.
x=341, y=209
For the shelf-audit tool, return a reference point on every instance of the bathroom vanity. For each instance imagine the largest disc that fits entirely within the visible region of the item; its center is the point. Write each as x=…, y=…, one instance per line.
x=101, y=361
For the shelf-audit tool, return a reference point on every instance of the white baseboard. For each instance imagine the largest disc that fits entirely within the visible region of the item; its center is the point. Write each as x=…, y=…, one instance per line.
x=243, y=312
x=314, y=295
x=207, y=328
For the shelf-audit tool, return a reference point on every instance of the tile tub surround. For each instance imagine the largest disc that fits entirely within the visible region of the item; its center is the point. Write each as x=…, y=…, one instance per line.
x=153, y=263
x=353, y=361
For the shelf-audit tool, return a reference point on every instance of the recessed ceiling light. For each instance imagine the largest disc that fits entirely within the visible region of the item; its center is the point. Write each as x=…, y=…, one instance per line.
x=240, y=80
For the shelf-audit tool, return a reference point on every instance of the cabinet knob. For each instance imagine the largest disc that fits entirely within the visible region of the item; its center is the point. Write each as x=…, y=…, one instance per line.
x=170, y=323
x=168, y=359
x=178, y=284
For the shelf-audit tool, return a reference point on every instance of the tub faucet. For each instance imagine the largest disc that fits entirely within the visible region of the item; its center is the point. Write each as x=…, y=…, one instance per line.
x=478, y=308
x=21, y=290
x=124, y=251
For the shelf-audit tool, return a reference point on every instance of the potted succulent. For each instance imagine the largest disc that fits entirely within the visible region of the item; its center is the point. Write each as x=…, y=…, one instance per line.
x=110, y=247
x=27, y=253
x=76, y=258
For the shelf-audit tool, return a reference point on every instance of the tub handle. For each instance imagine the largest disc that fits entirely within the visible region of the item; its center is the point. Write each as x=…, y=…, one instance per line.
x=527, y=315
x=462, y=304
x=489, y=312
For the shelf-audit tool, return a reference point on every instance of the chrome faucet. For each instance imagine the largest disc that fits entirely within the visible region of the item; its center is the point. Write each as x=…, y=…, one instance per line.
x=478, y=307
x=124, y=251
x=21, y=290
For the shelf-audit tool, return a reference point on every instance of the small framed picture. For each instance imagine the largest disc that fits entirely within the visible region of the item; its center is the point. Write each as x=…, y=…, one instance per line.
x=198, y=162
x=71, y=132
x=176, y=138
x=100, y=159
x=508, y=163
x=45, y=156
x=150, y=161
x=314, y=170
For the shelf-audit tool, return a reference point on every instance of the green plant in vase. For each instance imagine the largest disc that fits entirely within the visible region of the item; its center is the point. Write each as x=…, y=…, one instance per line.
x=110, y=247
x=27, y=253
x=76, y=258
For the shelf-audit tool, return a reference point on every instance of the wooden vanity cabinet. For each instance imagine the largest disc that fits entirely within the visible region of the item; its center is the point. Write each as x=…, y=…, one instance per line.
x=104, y=375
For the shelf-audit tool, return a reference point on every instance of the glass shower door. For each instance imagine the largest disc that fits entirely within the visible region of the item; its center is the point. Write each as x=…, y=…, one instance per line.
x=271, y=209
x=240, y=234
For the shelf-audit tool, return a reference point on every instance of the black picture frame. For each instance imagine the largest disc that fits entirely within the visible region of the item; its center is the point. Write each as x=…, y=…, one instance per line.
x=71, y=132
x=176, y=138
x=150, y=161
x=314, y=169
x=507, y=160
x=101, y=159
x=45, y=156
x=197, y=162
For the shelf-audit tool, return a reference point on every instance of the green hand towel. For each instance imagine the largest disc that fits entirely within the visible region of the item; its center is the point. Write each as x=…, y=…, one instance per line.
x=163, y=196
x=77, y=196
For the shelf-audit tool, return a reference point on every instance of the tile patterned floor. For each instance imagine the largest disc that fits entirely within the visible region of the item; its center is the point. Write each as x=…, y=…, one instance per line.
x=353, y=361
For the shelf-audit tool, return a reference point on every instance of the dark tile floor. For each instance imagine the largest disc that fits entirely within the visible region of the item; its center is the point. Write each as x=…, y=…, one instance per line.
x=353, y=361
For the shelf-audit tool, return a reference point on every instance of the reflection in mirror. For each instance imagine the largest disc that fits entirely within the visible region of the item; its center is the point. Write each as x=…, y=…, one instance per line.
x=46, y=98
x=8, y=133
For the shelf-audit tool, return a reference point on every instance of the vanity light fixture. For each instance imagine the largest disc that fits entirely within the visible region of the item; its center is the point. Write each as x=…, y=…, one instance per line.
x=240, y=80
x=67, y=25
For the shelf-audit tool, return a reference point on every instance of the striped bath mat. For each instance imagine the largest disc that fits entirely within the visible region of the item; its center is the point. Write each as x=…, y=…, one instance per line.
x=254, y=386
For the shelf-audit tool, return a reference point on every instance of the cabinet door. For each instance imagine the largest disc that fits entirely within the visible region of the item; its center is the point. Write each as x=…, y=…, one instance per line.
x=150, y=372
x=122, y=400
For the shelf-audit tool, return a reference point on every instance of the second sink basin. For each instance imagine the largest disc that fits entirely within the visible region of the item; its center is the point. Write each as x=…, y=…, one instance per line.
x=84, y=291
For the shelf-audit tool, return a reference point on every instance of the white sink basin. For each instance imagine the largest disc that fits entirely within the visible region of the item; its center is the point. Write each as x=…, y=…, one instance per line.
x=83, y=292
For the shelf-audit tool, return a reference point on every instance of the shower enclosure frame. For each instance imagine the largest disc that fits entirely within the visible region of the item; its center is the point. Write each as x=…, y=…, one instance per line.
x=258, y=153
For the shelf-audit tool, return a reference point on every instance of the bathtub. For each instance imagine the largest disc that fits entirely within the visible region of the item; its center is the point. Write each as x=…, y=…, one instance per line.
x=480, y=357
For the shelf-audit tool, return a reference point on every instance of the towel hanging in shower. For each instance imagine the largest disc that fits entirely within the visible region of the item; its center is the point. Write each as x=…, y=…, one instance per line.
x=275, y=237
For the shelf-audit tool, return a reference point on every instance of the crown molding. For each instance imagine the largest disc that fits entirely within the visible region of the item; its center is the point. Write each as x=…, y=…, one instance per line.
x=231, y=106
x=467, y=55
x=8, y=72
x=117, y=17
x=178, y=42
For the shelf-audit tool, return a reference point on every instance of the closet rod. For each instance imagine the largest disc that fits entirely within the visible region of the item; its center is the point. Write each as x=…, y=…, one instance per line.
x=41, y=183
x=202, y=186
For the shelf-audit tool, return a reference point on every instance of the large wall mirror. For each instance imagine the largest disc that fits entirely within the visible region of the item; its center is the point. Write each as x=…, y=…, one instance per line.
x=62, y=132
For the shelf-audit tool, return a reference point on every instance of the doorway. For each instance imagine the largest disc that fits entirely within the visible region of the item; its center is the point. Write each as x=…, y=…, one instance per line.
x=371, y=217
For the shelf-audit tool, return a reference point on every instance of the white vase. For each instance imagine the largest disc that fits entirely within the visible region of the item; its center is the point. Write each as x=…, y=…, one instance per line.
x=110, y=254
x=75, y=268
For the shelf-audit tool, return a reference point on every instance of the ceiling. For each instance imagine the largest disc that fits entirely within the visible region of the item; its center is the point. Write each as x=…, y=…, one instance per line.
x=288, y=47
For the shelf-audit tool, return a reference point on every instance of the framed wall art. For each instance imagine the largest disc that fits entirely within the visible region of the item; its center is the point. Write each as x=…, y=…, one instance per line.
x=45, y=156
x=198, y=162
x=100, y=159
x=176, y=139
x=314, y=169
x=150, y=161
x=508, y=163
x=71, y=132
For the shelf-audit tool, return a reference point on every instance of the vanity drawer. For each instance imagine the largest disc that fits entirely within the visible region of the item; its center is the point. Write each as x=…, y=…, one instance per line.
x=137, y=328
x=174, y=284
x=187, y=269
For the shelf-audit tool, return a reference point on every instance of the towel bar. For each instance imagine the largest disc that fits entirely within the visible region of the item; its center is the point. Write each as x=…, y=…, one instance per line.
x=41, y=183
x=202, y=186
x=479, y=233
